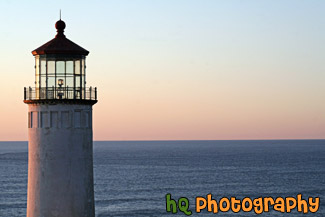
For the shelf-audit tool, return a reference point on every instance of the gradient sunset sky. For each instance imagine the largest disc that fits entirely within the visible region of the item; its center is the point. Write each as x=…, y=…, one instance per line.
x=179, y=69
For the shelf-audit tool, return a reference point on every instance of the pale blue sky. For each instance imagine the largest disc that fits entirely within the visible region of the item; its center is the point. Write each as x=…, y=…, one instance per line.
x=179, y=69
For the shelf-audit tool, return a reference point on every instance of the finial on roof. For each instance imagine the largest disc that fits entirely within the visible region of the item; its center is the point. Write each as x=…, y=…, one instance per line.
x=60, y=14
x=60, y=26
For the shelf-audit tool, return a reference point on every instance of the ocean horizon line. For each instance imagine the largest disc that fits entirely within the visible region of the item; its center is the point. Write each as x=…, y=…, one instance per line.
x=171, y=140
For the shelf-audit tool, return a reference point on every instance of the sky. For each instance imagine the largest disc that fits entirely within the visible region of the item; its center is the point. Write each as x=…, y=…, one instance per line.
x=179, y=69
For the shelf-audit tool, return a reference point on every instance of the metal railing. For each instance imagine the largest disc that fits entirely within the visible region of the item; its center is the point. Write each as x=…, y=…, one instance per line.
x=87, y=93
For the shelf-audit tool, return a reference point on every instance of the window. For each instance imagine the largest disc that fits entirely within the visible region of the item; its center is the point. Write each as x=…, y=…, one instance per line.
x=43, y=73
x=60, y=68
x=51, y=67
x=77, y=67
x=69, y=67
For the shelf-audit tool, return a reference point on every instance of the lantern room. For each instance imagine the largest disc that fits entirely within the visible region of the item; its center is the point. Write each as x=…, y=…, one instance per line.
x=60, y=70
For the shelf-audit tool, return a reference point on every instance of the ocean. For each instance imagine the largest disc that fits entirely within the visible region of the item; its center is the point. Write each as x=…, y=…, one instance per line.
x=133, y=177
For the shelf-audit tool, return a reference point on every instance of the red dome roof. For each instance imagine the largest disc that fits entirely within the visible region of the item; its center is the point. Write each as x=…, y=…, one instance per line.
x=60, y=44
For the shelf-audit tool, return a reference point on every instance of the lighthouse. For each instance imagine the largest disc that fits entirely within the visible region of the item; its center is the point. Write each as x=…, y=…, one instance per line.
x=60, y=138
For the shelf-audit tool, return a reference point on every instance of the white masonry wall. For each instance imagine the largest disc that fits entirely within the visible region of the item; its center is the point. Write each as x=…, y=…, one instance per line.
x=60, y=161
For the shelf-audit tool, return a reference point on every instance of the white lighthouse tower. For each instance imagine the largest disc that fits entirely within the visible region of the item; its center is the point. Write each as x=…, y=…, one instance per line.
x=60, y=148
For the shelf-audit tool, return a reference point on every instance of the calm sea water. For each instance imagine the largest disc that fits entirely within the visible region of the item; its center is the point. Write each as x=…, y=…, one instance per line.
x=132, y=178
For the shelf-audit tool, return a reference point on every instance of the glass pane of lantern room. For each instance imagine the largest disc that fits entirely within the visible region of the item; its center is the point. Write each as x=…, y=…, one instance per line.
x=69, y=82
x=50, y=87
x=43, y=73
x=69, y=74
x=43, y=67
x=69, y=67
x=83, y=66
x=69, y=86
x=77, y=87
x=77, y=81
x=77, y=67
x=83, y=78
x=37, y=71
x=60, y=68
x=51, y=68
x=50, y=77
x=51, y=82
x=43, y=86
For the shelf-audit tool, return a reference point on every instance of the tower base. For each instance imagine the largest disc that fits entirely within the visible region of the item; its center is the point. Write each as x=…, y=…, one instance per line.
x=60, y=161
